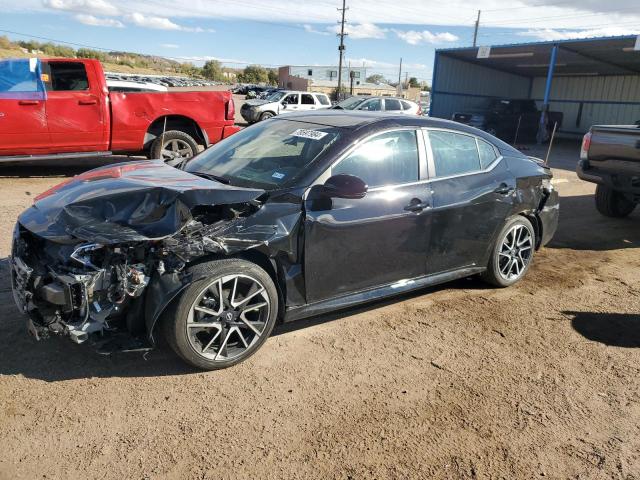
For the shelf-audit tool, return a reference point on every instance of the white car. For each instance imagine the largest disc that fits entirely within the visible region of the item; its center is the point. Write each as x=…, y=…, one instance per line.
x=129, y=86
x=283, y=101
x=380, y=104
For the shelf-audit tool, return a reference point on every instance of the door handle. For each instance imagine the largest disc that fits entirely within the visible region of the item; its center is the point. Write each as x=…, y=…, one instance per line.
x=28, y=102
x=504, y=189
x=87, y=102
x=417, y=205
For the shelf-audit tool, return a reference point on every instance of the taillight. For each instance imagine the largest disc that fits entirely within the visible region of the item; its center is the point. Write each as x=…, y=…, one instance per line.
x=586, y=144
x=230, y=111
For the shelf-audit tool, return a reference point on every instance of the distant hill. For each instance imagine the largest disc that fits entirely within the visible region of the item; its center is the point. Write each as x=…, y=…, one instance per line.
x=121, y=62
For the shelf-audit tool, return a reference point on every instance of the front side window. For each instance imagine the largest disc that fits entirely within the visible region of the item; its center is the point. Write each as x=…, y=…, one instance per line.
x=454, y=153
x=391, y=104
x=307, y=99
x=267, y=155
x=387, y=159
x=373, y=105
x=65, y=76
x=291, y=99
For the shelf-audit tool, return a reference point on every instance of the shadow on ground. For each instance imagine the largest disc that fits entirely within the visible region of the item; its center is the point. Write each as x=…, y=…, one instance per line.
x=581, y=227
x=57, y=358
x=612, y=329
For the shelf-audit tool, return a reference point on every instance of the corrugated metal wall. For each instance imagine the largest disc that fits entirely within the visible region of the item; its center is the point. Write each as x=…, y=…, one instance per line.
x=587, y=101
x=473, y=85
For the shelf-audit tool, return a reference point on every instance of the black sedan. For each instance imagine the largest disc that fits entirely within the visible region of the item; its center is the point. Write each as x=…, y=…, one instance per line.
x=292, y=217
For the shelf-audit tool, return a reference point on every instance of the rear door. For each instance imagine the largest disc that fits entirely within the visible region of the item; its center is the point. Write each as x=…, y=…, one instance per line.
x=307, y=102
x=76, y=115
x=355, y=244
x=473, y=194
x=23, y=122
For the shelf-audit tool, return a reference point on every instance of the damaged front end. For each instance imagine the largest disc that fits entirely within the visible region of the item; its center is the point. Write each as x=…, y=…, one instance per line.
x=95, y=266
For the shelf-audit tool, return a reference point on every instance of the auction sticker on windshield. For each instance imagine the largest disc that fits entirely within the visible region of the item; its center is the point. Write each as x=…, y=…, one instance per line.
x=312, y=134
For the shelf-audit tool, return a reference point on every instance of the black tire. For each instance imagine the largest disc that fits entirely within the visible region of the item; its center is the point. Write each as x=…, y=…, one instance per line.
x=175, y=320
x=267, y=116
x=613, y=204
x=170, y=139
x=493, y=274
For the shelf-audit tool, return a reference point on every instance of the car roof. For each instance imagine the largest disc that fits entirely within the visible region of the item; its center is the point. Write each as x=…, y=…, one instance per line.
x=363, y=123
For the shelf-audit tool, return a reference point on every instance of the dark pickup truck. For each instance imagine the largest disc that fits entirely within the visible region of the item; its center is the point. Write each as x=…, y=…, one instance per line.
x=610, y=157
x=504, y=118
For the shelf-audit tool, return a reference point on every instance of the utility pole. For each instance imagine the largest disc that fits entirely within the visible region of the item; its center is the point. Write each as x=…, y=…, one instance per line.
x=341, y=48
x=400, y=79
x=475, y=31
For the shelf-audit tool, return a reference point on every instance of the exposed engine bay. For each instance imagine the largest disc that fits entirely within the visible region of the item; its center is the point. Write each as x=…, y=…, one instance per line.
x=91, y=272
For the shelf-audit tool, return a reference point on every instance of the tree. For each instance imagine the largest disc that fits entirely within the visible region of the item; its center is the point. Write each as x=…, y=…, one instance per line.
x=254, y=74
x=5, y=42
x=426, y=88
x=212, y=70
x=88, y=53
x=413, y=82
x=272, y=75
x=376, y=78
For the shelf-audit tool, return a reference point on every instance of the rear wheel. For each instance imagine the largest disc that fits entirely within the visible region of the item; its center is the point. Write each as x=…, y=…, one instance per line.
x=613, y=204
x=174, y=147
x=224, y=318
x=512, y=254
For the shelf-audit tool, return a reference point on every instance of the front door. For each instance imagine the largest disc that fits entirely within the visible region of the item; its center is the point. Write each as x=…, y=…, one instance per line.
x=472, y=197
x=290, y=103
x=23, y=121
x=74, y=108
x=353, y=245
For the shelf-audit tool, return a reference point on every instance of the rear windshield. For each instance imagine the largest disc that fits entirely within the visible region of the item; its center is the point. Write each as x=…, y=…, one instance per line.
x=267, y=155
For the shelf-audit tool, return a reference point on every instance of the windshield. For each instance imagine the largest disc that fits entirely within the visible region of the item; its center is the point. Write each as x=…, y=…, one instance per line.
x=268, y=155
x=351, y=102
x=274, y=97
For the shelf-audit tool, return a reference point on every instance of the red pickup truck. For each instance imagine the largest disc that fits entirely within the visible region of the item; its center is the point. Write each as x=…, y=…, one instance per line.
x=62, y=108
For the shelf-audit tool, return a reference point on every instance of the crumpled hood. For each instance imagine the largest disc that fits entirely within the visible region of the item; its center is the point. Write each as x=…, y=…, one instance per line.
x=133, y=201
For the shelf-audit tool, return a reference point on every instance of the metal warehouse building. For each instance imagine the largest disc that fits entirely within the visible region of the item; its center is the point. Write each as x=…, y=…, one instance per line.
x=591, y=81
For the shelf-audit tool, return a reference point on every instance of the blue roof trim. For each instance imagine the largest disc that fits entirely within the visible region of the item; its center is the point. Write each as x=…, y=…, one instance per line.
x=550, y=42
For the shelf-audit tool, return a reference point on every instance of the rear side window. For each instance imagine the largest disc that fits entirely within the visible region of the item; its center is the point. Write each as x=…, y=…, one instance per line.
x=391, y=104
x=453, y=153
x=387, y=159
x=65, y=76
x=487, y=153
x=307, y=99
x=406, y=105
x=323, y=99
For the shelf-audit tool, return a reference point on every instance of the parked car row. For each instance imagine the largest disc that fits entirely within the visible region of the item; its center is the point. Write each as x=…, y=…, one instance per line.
x=166, y=81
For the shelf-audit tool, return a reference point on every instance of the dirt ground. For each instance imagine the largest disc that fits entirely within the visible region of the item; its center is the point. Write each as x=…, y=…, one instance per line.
x=456, y=382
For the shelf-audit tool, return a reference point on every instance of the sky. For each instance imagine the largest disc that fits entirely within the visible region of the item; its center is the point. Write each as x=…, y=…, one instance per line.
x=287, y=32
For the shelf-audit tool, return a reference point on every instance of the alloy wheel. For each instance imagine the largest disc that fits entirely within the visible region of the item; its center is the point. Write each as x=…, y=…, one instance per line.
x=515, y=252
x=228, y=317
x=175, y=151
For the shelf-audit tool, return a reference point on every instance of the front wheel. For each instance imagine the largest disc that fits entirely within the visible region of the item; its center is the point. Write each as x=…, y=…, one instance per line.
x=266, y=116
x=225, y=317
x=512, y=254
x=174, y=147
x=613, y=204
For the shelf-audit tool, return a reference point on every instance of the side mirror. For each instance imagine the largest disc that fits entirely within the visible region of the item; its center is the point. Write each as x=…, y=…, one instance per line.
x=345, y=186
x=284, y=105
